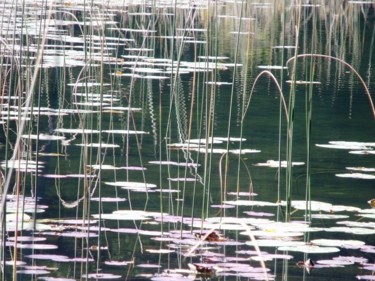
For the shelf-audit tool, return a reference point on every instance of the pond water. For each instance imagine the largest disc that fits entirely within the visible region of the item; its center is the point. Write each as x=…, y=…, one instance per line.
x=161, y=140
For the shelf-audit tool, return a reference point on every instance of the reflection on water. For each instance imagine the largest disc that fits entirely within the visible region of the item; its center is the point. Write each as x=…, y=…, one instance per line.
x=139, y=142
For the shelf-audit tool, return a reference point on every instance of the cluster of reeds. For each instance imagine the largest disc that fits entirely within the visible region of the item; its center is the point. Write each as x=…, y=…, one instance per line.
x=97, y=95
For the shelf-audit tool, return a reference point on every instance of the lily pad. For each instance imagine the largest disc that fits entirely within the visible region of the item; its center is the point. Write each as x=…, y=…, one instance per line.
x=118, y=263
x=309, y=249
x=250, y=203
x=356, y=176
x=277, y=164
x=338, y=243
x=109, y=276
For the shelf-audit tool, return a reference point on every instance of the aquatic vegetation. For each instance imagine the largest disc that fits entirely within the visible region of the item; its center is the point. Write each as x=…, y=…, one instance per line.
x=136, y=139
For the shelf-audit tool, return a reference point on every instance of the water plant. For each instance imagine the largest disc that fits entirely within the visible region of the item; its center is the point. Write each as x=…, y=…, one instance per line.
x=164, y=140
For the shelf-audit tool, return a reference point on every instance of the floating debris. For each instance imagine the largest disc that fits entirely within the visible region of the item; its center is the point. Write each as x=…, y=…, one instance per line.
x=371, y=203
x=308, y=264
x=212, y=236
x=201, y=269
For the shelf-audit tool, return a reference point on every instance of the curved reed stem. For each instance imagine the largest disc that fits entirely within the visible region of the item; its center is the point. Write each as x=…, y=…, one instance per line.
x=29, y=96
x=269, y=73
x=347, y=65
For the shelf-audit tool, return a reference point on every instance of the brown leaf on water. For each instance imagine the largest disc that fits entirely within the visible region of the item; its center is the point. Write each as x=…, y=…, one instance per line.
x=212, y=236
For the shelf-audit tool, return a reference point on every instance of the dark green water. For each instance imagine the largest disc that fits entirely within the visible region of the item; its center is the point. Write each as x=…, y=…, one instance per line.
x=184, y=107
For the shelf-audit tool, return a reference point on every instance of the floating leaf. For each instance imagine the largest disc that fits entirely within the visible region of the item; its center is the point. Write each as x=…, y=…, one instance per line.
x=327, y=216
x=365, y=277
x=362, y=169
x=360, y=2
x=218, y=83
x=54, y=176
x=37, y=246
x=98, y=145
x=43, y=137
x=82, y=176
x=222, y=206
x=108, y=199
x=48, y=278
x=79, y=234
x=150, y=232
x=26, y=238
x=341, y=208
x=167, y=190
x=103, y=276
x=309, y=249
x=159, y=251
x=183, y=179
x=180, y=164
x=118, y=263
x=300, y=82
x=23, y=165
x=276, y=234
x=250, y=203
x=311, y=205
x=350, y=145
x=259, y=214
x=275, y=243
x=120, y=217
x=77, y=131
x=244, y=151
x=125, y=132
x=276, y=164
x=368, y=249
x=148, y=265
x=357, y=223
x=363, y=152
x=17, y=263
x=284, y=47
x=277, y=67
x=270, y=257
x=356, y=176
x=205, y=141
x=57, y=258
x=338, y=243
x=128, y=184
x=20, y=217
x=351, y=259
x=111, y=167
x=352, y=230
x=33, y=271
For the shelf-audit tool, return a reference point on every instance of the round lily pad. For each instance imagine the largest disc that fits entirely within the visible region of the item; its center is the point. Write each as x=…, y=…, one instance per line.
x=309, y=249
